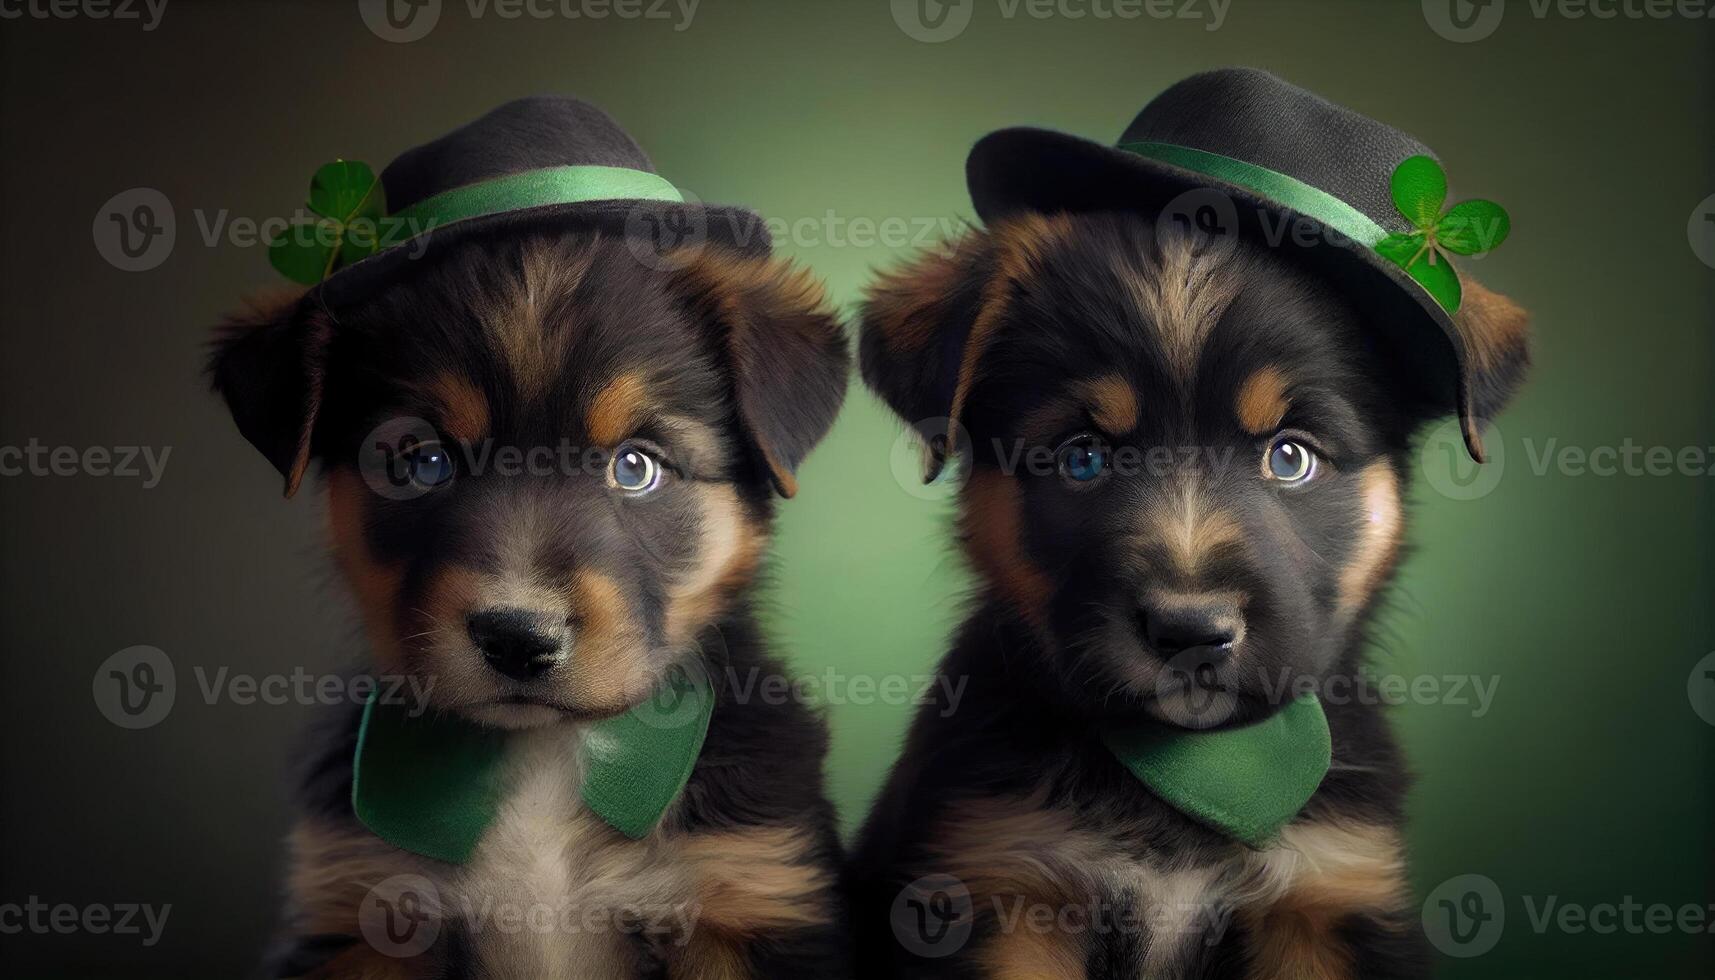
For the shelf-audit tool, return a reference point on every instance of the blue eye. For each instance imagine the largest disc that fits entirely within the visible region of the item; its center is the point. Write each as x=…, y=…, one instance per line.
x=430, y=465
x=633, y=469
x=1290, y=461
x=1080, y=459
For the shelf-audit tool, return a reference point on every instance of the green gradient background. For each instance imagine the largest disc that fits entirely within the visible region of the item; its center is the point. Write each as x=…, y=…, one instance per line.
x=1588, y=597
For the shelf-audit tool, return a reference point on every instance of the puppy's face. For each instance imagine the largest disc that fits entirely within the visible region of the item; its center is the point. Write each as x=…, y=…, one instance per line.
x=548, y=469
x=1187, y=458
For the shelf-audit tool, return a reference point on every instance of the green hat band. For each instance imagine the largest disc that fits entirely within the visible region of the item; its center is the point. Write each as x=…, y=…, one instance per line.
x=534, y=189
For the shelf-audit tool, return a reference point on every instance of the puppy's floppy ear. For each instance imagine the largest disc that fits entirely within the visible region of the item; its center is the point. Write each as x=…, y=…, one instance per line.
x=1496, y=336
x=268, y=363
x=783, y=348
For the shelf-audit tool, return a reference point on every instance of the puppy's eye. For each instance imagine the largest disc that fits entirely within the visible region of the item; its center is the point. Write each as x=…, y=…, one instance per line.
x=429, y=465
x=1289, y=461
x=1081, y=459
x=633, y=469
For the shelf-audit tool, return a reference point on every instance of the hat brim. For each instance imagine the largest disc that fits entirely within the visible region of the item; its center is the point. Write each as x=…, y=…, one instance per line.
x=1026, y=169
x=655, y=227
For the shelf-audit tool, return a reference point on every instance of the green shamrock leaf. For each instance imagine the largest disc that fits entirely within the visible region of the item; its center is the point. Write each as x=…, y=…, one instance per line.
x=347, y=205
x=1419, y=188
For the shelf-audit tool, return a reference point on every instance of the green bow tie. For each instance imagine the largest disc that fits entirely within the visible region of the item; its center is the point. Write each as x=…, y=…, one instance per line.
x=432, y=784
x=1245, y=782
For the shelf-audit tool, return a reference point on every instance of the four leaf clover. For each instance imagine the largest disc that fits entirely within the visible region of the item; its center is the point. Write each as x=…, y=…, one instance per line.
x=346, y=205
x=1419, y=188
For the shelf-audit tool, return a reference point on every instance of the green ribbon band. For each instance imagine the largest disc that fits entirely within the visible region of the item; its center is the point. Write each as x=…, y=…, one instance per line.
x=1246, y=782
x=1312, y=202
x=533, y=189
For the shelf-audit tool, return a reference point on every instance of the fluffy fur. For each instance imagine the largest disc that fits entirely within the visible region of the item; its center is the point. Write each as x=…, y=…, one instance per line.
x=467, y=422
x=1187, y=583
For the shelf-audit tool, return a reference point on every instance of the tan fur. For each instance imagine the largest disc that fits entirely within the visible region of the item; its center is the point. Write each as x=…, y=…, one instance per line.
x=992, y=526
x=462, y=407
x=758, y=880
x=1183, y=293
x=609, y=668
x=375, y=584
x=1491, y=325
x=732, y=550
x=518, y=321
x=1025, y=954
x=1181, y=518
x=1262, y=401
x=1307, y=885
x=1112, y=403
x=1378, y=544
x=1017, y=848
x=616, y=409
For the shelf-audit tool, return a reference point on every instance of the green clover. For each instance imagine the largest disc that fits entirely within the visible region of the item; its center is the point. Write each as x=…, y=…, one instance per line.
x=346, y=202
x=1468, y=228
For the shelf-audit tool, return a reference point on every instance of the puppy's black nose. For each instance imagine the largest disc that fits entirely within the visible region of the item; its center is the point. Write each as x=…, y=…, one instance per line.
x=1174, y=624
x=515, y=642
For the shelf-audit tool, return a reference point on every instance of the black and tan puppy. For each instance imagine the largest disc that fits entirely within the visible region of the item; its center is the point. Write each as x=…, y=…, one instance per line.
x=1187, y=465
x=574, y=511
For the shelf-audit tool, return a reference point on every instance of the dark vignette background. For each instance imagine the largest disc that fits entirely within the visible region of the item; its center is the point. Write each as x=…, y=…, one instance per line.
x=1586, y=597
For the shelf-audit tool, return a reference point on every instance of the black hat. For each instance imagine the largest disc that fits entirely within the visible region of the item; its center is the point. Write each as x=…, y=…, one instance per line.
x=1275, y=153
x=535, y=163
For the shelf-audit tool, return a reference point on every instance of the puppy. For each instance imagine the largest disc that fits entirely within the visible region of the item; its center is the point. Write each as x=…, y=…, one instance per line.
x=1269, y=429
x=549, y=472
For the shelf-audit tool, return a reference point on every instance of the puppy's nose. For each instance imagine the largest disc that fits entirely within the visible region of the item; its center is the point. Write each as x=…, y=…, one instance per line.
x=1172, y=624
x=515, y=642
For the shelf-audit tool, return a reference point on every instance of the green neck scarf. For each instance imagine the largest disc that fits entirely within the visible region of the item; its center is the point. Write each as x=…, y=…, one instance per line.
x=432, y=784
x=1246, y=782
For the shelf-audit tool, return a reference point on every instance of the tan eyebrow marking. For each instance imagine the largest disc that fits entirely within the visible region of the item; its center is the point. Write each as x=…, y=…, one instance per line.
x=463, y=407
x=616, y=408
x=1262, y=401
x=1112, y=403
